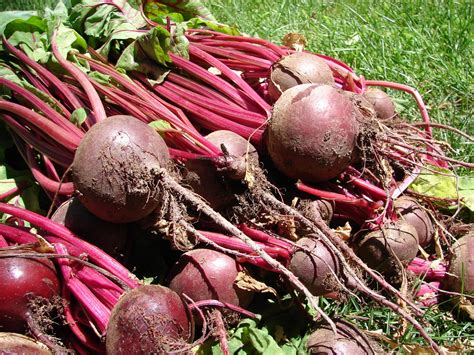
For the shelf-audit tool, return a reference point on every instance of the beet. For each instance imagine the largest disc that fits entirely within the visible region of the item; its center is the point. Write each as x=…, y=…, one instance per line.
x=204, y=274
x=460, y=276
x=381, y=249
x=110, y=237
x=412, y=213
x=312, y=133
x=349, y=340
x=296, y=69
x=21, y=281
x=216, y=186
x=13, y=343
x=116, y=169
x=382, y=102
x=148, y=319
x=316, y=270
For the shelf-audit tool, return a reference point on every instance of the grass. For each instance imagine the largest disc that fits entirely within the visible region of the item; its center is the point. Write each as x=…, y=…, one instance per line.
x=424, y=44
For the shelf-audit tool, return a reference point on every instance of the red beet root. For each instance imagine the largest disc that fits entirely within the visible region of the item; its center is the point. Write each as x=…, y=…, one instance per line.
x=295, y=69
x=312, y=133
x=116, y=169
x=110, y=237
x=204, y=274
x=148, y=319
x=21, y=281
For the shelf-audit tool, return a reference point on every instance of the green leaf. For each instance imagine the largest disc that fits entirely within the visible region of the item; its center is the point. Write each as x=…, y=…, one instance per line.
x=99, y=19
x=442, y=183
x=9, y=73
x=8, y=16
x=146, y=52
x=213, y=25
x=78, y=116
x=176, y=10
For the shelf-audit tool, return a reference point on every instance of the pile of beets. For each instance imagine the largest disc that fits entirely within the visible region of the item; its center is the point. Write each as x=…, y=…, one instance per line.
x=251, y=167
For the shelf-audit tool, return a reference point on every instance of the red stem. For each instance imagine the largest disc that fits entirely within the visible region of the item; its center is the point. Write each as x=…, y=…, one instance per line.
x=46, y=74
x=96, y=255
x=83, y=79
x=95, y=309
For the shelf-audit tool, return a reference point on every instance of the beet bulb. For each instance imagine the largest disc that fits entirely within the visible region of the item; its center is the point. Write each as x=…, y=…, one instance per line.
x=116, y=169
x=22, y=280
x=148, y=319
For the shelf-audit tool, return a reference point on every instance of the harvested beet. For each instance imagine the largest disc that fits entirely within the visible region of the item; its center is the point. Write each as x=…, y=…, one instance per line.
x=13, y=343
x=312, y=133
x=316, y=267
x=296, y=69
x=349, y=340
x=412, y=213
x=383, y=248
x=116, y=169
x=148, y=319
x=204, y=274
x=382, y=102
x=22, y=280
x=214, y=183
x=460, y=276
x=110, y=237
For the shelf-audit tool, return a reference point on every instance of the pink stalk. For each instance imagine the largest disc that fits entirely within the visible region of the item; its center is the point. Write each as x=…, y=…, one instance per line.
x=239, y=115
x=259, y=262
x=233, y=54
x=50, y=169
x=23, y=136
x=213, y=80
x=39, y=104
x=224, y=37
x=3, y=242
x=200, y=89
x=99, y=286
x=263, y=237
x=82, y=78
x=16, y=236
x=96, y=255
x=66, y=188
x=231, y=75
x=236, y=244
x=427, y=270
x=56, y=133
x=7, y=195
x=83, y=337
x=180, y=154
x=428, y=294
x=367, y=187
x=333, y=196
x=209, y=119
x=258, y=51
x=46, y=74
x=39, y=83
x=166, y=114
x=94, y=308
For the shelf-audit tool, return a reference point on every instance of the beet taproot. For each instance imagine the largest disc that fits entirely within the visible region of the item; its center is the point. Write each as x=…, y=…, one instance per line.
x=148, y=319
x=313, y=133
x=204, y=274
x=116, y=169
x=296, y=69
